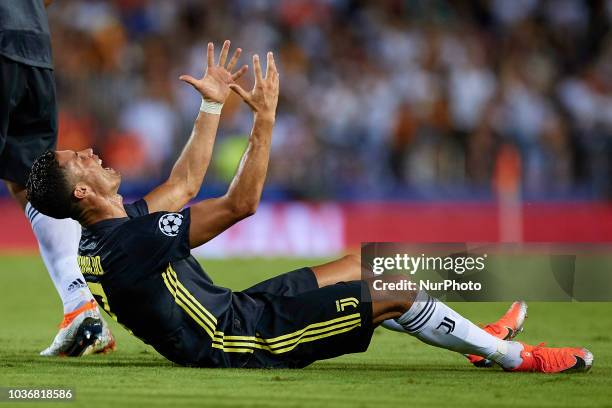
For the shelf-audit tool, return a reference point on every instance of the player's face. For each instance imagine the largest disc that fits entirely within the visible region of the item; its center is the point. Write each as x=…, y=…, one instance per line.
x=86, y=167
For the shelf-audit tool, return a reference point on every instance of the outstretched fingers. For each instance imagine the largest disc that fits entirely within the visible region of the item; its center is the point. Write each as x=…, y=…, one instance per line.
x=234, y=60
x=241, y=92
x=210, y=54
x=272, y=63
x=236, y=75
x=257, y=67
x=270, y=67
x=189, y=79
x=224, y=52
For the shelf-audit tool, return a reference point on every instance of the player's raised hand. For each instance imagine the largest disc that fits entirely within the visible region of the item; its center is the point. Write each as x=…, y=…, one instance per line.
x=263, y=98
x=214, y=85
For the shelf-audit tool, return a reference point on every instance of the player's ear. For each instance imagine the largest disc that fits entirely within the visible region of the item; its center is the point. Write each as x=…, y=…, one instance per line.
x=80, y=191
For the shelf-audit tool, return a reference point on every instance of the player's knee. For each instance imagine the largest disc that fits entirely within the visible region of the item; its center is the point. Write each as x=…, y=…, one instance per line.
x=392, y=286
x=390, y=294
x=354, y=259
x=392, y=278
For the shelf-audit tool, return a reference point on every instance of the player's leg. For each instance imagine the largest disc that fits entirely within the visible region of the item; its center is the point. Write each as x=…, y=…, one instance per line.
x=349, y=268
x=435, y=323
x=294, y=331
x=338, y=319
x=345, y=269
x=287, y=284
x=424, y=318
x=310, y=278
x=58, y=241
x=29, y=127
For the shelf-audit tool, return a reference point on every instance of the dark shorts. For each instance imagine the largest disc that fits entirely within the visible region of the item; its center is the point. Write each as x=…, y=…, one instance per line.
x=28, y=117
x=302, y=323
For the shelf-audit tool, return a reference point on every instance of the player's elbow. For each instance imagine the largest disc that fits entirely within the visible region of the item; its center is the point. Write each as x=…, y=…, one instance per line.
x=250, y=209
x=247, y=209
x=181, y=192
x=185, y=192
x=241, y=209
x=189, y=193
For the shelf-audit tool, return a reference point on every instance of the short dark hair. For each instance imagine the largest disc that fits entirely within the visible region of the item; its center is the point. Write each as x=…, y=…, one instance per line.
x=48, y=189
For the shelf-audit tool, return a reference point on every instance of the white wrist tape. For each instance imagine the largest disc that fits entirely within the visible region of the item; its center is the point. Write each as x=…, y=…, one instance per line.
x=211, y=107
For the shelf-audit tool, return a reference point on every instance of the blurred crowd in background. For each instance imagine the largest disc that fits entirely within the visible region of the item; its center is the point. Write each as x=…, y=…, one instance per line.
x=392, y=99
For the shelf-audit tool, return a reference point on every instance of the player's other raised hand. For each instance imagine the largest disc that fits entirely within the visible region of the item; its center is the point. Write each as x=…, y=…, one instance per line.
x=214, y=85
x=263, y=98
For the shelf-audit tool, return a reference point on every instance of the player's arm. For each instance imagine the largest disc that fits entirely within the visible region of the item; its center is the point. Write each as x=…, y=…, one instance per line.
x=188, y=172
x=211, y=217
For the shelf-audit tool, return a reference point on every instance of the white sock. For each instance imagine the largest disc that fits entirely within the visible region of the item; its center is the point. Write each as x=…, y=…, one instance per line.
x=58, y=241
x=433, y=322
x=392, y=325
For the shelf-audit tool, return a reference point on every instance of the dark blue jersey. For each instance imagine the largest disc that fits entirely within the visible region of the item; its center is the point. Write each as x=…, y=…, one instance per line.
x=141, y=272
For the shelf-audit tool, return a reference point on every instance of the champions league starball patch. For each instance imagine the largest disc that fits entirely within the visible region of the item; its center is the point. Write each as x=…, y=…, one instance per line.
x=170, y=223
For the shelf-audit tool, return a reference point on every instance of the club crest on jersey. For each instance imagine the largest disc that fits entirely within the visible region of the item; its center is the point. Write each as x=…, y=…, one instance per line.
x=170, y=223
x=346, y=302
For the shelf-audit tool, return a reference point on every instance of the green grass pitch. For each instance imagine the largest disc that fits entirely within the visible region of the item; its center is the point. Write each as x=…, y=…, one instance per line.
x=397, y=370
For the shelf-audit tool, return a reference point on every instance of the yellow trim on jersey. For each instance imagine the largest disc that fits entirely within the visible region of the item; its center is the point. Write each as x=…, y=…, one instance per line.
x=247, y=344
x=307, y=332
x=288, y=348
x=308, y=339
x=174, y=278
x=184, y=299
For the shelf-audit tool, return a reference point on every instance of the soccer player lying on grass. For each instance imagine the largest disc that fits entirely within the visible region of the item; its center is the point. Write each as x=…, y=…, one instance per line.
x=136, y=259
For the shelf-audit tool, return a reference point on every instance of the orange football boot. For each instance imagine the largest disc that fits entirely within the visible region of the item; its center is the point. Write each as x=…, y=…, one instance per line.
x=543, y=359
x=506, y=328
x=82, y=331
